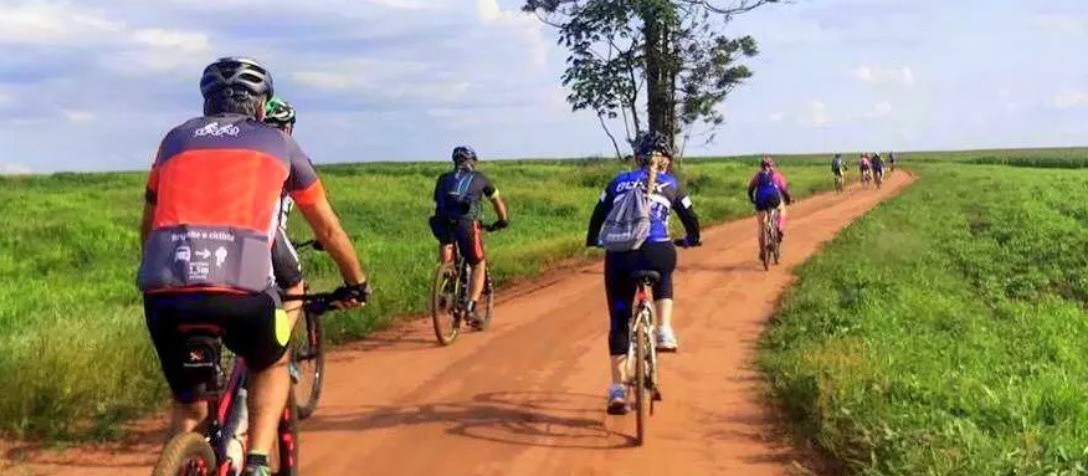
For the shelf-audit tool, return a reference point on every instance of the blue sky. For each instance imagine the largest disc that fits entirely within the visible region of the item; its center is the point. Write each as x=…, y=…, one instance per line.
x=93, y=84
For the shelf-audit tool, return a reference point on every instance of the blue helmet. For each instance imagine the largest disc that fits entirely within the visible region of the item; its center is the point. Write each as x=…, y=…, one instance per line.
x=462, y=154
x=651, y=142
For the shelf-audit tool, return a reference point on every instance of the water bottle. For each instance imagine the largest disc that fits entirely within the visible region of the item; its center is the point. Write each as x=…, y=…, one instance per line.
x=236, y=430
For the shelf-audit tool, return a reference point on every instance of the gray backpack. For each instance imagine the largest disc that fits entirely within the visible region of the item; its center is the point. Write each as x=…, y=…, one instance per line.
x=628, y=224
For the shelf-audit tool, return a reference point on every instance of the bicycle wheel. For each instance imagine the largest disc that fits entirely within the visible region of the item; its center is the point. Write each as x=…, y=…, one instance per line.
x=447, y=325
x=308, y=355
x=488, y=303
x=642, y=345
x=763, y=252
x=187, y=454
x=284, y=460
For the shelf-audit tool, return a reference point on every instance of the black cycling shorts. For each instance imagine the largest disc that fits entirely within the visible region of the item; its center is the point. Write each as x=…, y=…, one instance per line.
x=769, y=202
x=285, y=263
x=254, y=327
x=466, y=232
x=620, y=288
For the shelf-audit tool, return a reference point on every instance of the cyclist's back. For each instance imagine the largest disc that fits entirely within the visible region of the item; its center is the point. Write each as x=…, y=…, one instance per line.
x=458, y=194
x=838, y=165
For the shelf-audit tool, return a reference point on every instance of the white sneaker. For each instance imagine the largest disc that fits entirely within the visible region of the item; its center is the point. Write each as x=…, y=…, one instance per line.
x=617, y=400
x=666, y=340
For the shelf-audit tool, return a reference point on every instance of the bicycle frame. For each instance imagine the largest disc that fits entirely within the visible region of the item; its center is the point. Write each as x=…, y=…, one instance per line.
x=644, y=317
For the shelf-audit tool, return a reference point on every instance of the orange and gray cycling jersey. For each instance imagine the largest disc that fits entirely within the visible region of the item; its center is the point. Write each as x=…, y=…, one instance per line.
x=215, y=187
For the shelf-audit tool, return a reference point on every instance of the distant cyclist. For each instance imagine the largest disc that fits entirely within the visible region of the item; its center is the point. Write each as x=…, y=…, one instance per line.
x=457, y=196
x=878, y=167
x=838, y=167
x=769, y=190
x=864, y=166
x=891, y=161
x=285, y=263
x=207, y=229
x=653, y=155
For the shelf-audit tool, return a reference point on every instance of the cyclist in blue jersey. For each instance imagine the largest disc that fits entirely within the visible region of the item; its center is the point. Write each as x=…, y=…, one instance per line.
x=657, y=253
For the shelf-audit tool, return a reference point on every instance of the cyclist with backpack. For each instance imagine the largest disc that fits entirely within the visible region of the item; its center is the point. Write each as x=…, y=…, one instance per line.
x=878, y=166
x=838, y=167
x=769, y=190
x=457, y=195
x=631, y=221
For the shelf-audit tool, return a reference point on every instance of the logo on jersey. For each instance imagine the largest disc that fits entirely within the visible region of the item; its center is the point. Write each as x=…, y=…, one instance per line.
x=216, y=130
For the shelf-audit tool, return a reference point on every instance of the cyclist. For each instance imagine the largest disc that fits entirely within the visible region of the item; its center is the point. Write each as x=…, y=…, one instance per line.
x=206, y=236
x=864, y=166
x=285, y=264
x=768, y=190
x=653, y=155
x=891, y=161
x=838, y=167
x=878, y=166
x=457, y=197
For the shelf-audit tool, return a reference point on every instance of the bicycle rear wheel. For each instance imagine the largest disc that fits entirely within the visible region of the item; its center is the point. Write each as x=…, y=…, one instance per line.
x=187, y=454
x=447, y=324
x=308, y=355
x=764, y=253
x=642, y=383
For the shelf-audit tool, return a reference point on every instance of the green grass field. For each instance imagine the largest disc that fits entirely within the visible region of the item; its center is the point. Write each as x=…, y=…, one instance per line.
x=75, y=360
x=945, y=333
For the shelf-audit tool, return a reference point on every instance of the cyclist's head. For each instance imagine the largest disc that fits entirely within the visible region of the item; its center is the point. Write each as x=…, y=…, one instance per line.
x=280, y=114
x=652, y=143
x=838, y=156
x=464, y=157
x=766, y=162
x=236, y=85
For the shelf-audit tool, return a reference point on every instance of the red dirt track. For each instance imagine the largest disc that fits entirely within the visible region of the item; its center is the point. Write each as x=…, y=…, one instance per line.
x=527, y=396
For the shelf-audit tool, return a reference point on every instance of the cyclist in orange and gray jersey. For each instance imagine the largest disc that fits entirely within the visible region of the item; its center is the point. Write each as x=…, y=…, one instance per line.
x=207, y=230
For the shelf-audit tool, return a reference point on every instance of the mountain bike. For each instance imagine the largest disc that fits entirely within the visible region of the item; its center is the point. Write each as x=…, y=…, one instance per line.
x=307, y=352
x=770, y=249
x=866, y=177
x=642, y=353
x=449, y=295
x=878, y=178
x=222, y=378
x=839, y=182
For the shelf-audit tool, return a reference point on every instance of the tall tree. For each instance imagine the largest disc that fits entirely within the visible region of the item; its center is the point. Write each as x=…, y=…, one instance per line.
x=670, y=55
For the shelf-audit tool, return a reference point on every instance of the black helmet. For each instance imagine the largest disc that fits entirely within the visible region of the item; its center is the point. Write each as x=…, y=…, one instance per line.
x=232, y=71
x=462, y=154
x=651, y=142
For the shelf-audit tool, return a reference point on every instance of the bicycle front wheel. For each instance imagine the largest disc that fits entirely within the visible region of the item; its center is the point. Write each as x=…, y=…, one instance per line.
x=308, y=355
x=187, y=454
x=444, y=304
x=488, y=303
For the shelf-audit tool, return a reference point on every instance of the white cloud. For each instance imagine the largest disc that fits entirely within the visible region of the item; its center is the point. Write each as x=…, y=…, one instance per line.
x=177, y=41
x=1063, y=23
x=882, y=108
x=325, y=79
x=77, y=116
x=815, y=115
x=52, y=24
x=1070, y=99
x=776, y=117
x=526, y=24
x=14, y=169
x=901, y=75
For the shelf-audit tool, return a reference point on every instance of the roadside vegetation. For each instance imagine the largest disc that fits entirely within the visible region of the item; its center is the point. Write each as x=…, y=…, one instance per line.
x=75, y=360
x=945, y=332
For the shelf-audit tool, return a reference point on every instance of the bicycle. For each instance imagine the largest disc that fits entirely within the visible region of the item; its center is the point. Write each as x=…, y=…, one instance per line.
x=449, y=293
x=866, y=177
x=878, y=178
x=642, y=353
x=769, y=249
x=839, y=182
x=220, y=448
x=307, y=353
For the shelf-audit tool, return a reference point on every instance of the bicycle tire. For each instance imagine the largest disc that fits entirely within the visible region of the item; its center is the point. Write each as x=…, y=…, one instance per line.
x=764, y=255
x=489, y=303
x=313, y=352
x=641, y=384
x=187, y=454
x=442, y=302
x=286, y=447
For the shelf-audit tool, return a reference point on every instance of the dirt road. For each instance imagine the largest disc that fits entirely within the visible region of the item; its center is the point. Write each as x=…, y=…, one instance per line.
x=527, y=397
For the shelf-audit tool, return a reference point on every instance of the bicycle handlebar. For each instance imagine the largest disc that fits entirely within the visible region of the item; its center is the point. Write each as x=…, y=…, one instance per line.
x=314, y=244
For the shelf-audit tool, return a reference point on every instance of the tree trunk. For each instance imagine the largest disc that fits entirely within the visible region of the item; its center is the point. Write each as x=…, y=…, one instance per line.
x=656, y=98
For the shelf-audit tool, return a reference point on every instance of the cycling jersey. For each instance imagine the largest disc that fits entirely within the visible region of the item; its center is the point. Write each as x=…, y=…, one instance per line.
x=457, y=194
x=864, y=164
x=666, y=196
x=766, y=186
x=878, y=164
x=838, y=165
x=215, y=187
